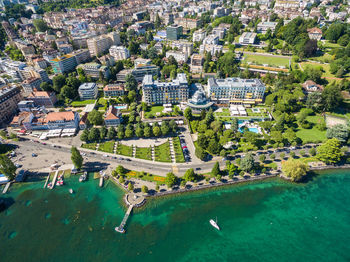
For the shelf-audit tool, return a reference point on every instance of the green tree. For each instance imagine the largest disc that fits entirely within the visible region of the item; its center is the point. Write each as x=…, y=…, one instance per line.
x=46, y=86
x=85, y=135
x=340, y=132
x=331, y=98
x=111, y=133
x=170, y=180
x=215, y=170
x=294, y=169
x=7, y=167
x=95, y=117
x=190, y=175
x=156, y=130
x=188, y=113
x=312, y=151
x=329, y=152
x=76, y=158
x=130, y=82
x=40, y=25
x=130, y=186
x=121, y=180
x=262, y=158
x=144, y=189
x=58, y=82
x=165, y=128
x=247, y=163
x=103, y=132
x=94, y=134
x=120, y=170
x=201, y=153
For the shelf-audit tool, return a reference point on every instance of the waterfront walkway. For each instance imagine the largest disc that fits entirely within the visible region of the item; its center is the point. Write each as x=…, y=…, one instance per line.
x=6, y=187
x=121, y=228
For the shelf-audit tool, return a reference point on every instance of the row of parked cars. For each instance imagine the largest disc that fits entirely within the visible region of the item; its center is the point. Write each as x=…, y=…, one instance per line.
x=184, y=148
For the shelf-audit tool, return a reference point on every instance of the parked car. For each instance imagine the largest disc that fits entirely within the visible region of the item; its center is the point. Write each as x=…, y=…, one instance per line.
x=34, y=155
x=198, y=168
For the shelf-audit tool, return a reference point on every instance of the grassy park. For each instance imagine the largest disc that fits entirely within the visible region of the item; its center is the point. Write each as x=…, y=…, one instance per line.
x=162, y=152
x=144, y=153
x=107, y=146
x=91, y=146
x=313, y=134
x=269, y=60
x=124, y=150
x=179, y=156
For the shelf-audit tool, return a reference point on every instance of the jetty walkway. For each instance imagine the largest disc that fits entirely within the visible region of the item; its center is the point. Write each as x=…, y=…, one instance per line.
x=121, y=228
x=6, y=187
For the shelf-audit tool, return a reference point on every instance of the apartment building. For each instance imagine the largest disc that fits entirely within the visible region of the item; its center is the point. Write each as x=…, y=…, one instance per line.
x=197, y=63
x=95, y=70
x=155, y=92
x=262, y=27
x=43, y=98
x=9, y=99
x=183, y=46
x=247, y=38
x=31, y=84
x=100, y=44
x=62, y=120
x=113, y=117
x=81, y=55
x=236, y=90
x=113, y=90
x=88, y=91
x=187, y=23
x=199, y=35
x=173, y=32
x=119, y=52
x=64, y=64
x=179, y=56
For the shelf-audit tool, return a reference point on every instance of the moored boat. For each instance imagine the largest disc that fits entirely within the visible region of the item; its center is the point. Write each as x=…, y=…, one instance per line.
x=214, y=223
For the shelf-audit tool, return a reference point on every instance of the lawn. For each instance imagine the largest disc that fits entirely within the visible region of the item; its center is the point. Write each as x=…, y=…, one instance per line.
x=325, y=68
x=162, y=152
x=179, y=156
x=313, y=134
x=144, y=153
x=160, y=180
x=328, y=44
x=155, y=109
x=124, y=150
x=82, y=103
x=91, y=146
x=102, y=101
x=269, y=60
x=107, y=147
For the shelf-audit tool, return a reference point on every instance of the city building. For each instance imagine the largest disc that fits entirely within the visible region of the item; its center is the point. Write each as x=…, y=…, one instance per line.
x=81, y=55
x=197, y=63
x=247, y=38
x=119, y=52
x=179, y=56
x=95, y=70
x=100, y=44
x=26, y=105
x=236, y=91
x=183, y=46
x=31, y=84
x=64, y=64
x=211, y=44
x=88, y=91
x=173, y=32
x=199, y=101
x=113, y=90
x=187, y=23
x=199, y=35
x=264, y=26
x=155, y=92
x=62, y=120
x=43, y=98
x=315, y=33
x=113, y=116
x=9, y=99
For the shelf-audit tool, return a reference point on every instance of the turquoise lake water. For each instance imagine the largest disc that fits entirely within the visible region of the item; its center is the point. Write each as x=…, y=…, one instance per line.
x=269, y=220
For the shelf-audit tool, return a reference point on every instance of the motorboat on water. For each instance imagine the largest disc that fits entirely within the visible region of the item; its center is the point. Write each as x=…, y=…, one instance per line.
x=83, y=177
x=214, y=223
x=71, y=191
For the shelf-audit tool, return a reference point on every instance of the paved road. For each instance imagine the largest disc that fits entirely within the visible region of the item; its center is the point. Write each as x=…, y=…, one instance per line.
x=48, y=155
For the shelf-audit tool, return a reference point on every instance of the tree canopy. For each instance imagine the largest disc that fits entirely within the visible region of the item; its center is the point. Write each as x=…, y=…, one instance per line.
x=329, y=152
x=294, y=169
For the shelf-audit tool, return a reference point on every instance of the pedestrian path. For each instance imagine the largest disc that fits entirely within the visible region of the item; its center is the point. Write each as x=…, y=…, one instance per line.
x=172, y=151
x=153, y=153
x=133, y=151
x=115, y=147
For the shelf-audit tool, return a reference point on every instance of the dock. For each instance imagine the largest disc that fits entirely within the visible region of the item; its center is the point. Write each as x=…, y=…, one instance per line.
x=101, y=181
x=121, y=228
x=6, y=187
x=47, y=180
x=54, y=179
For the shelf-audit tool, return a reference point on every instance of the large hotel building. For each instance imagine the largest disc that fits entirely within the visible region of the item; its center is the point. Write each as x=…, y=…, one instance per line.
x=155, y=92
x=236, y=91
x=9, y=98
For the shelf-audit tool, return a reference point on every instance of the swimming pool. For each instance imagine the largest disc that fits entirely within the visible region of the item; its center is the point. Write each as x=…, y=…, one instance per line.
x=121, y=107
x=251, y=129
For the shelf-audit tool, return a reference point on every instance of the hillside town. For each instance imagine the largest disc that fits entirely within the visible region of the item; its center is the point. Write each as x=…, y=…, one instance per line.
x=250, y=86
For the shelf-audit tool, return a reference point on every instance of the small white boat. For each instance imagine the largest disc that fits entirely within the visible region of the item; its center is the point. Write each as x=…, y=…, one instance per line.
x=71, y=191
x=83, y=177
x=214, y=223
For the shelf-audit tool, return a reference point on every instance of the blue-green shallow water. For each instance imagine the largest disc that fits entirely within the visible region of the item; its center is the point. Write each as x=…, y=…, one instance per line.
x=262, y=221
